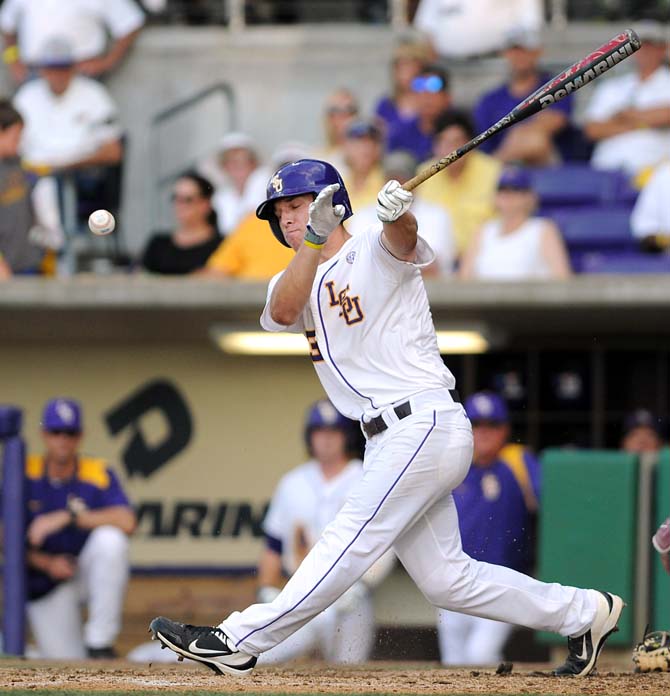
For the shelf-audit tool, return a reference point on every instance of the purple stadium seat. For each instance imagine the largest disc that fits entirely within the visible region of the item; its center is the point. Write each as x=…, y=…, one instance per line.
x=626, y=262
x=576, y=185
x=596, y=228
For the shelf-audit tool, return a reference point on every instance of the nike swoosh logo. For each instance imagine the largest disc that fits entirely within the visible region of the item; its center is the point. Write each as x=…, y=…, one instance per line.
x=584, y=654
x=193, y=647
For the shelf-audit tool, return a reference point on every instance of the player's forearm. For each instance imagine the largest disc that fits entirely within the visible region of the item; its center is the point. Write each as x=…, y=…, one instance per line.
x=119, y=49
x=652, y=118
x=598, y=130
x=550, y=122
x=269, y=569
x=118, y=516
x=38, y=560
x=293, y=289
x=107, y=154
x=400, y=237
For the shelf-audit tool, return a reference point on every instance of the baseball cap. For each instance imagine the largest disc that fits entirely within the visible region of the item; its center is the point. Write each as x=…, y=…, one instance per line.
x=522, y=37
x=651, y=31
x=56, y=52
x=364, y=129
x=486, y=406
x=516, y=179
x=642, y=418
x=236, y=140
x=62, y=414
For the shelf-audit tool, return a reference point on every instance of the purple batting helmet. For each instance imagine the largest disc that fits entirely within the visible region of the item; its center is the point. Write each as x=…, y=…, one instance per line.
x=322, y=414
x=487, y=407
x=296, y=179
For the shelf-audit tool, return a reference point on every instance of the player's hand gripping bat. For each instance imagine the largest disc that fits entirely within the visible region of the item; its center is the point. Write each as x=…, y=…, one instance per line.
x=570, y=80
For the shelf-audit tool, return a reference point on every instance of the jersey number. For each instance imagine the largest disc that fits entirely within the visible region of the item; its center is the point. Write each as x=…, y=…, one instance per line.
x=350, y=308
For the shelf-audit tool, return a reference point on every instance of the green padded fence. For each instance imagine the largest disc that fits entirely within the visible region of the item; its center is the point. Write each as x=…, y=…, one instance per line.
x=587, y=525
x=660, y=579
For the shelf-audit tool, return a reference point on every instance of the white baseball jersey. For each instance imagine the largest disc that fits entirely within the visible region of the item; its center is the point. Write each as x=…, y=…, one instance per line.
x=365, y=366
x=305, y=498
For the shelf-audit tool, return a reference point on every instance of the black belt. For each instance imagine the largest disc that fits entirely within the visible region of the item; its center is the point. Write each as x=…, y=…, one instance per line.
x=378, y=425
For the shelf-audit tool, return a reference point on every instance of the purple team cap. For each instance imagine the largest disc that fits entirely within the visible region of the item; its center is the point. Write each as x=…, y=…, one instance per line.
x=486, y=406
x=642, y=418
x=516, y=179
x=62, y=414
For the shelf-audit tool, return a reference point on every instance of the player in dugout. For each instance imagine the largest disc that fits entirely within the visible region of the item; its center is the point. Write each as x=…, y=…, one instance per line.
x=363, y=306
x=78, y=522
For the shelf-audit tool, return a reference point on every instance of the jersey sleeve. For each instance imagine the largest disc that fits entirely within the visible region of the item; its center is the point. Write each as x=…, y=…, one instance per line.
x=122, y=17
x=392, y=266
x=114, y=494
x=105, y=122
x=268, y=323
x=605, y=102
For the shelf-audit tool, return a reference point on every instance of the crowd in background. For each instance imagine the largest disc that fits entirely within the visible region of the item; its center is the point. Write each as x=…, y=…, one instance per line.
x=490, y=215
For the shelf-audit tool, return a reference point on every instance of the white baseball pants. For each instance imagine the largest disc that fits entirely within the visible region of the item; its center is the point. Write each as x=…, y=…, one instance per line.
x=345, y=635
x=100, y=583
x=404, y=501
x=470, y=640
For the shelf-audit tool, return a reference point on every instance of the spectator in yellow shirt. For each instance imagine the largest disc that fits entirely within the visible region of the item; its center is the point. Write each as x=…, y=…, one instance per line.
x=248, y=253
x=467, y=188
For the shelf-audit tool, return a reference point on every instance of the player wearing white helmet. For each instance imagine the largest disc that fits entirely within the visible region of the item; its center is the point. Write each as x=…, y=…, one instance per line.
x=363, y=306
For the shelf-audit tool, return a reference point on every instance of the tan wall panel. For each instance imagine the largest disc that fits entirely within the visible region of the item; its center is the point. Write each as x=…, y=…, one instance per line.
x=247, y=414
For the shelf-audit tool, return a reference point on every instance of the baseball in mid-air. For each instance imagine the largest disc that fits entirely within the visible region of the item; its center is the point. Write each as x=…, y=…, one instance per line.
x=101, y=222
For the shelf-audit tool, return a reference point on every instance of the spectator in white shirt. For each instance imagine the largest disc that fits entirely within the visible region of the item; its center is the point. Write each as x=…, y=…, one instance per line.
x=516, y=245
x=70, y=120
x=99, y=31
x=651, y=216
x=628, y=116
x=239, y=177
x=466, y=28
x=434, y=221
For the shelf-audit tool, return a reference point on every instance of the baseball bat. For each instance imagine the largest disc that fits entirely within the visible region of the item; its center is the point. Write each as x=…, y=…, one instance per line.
x=570, y=80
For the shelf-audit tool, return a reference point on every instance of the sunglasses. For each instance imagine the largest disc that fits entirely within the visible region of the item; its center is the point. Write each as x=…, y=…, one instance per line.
x=334, y=110
x=176, y=198
x=68, y=433
x=428, y=83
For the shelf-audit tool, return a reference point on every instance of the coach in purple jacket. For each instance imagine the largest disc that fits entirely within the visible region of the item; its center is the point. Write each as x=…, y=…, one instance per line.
x=495, y=502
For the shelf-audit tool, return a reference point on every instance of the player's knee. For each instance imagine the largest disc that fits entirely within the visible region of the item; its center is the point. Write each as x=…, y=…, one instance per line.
x=447, y=590
x=109, y=541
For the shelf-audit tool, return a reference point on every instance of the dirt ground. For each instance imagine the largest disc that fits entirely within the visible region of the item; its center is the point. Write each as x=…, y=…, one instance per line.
x=389, y=678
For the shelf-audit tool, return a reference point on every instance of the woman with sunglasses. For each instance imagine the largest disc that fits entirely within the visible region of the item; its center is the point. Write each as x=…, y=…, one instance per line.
x=195, y=237
x=516, y=245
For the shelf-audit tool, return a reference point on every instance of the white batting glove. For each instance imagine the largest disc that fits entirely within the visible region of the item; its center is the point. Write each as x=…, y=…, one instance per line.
x=393, y=201
x=324, y=217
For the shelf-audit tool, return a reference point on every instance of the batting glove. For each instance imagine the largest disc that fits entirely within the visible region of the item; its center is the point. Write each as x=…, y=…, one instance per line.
x=324, y=217
x=393, y=201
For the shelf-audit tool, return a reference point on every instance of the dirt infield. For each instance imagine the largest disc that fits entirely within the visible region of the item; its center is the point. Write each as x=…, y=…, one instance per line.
x=313, y=678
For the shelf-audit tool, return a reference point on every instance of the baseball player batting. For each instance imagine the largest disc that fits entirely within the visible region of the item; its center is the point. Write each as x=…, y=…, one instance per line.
x=362, y=304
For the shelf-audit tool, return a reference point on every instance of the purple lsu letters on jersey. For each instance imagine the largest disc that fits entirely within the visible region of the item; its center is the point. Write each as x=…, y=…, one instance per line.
x=94, y=484
x=495, y=505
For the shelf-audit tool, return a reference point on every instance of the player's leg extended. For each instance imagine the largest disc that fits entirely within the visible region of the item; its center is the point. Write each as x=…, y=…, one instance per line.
x=404, y=474
x=103, y=575
x=470, y=640
x=462, y=584
x=302, y=642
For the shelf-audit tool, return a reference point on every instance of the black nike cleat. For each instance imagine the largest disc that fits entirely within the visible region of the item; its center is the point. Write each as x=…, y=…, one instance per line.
x=206, y=644
x=583, y=650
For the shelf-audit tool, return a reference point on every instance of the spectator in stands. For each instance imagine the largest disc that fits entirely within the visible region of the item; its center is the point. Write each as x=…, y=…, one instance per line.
x=496, y=506
x=466, y=189
x=195, y=237
x=431, y=90
x=399, y=107
x=78, y=522
x=661, y=542
x=239, y=179
x=340, y=109
x=516, y=245
x=362, y=150
x=27, y=25
x=71, y=123
x=249, y=252
x=650, y=220
x=628, y=116
x=434, y=222
x=642, y=432
x=17, y=253
x=532, y=142
x=463, y=28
